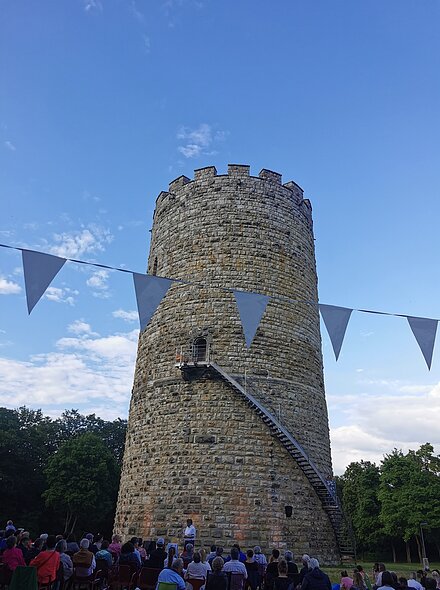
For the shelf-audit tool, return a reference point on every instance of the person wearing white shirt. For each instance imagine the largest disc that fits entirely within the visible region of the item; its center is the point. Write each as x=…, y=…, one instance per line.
x=189, y=533
x=414, y=583
x=197, y=569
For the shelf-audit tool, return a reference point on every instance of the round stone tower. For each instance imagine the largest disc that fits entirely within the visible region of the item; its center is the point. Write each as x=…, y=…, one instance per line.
x=235, y=438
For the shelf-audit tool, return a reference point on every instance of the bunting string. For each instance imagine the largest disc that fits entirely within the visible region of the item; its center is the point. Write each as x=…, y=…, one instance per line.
x=40, y=268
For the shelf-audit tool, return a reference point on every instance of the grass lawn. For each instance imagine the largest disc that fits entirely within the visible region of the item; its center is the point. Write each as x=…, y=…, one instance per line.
x=401, y=569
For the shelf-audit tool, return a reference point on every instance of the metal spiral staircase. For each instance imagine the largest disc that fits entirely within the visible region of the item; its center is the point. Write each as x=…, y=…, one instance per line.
x=327, y=496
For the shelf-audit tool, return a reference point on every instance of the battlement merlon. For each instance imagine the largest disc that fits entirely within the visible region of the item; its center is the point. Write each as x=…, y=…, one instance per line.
x=238, y=171
x=270, y=175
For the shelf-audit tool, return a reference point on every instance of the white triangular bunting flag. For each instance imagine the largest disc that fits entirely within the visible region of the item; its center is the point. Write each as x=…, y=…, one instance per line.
x=251, y=307
x=150, y=290
x=336, y=321
x=424, y=330
x=39, y=271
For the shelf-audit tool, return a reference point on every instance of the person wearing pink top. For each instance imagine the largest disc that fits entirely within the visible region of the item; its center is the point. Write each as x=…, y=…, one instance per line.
x=115, y=545
x=12, y=556
x=346, y=581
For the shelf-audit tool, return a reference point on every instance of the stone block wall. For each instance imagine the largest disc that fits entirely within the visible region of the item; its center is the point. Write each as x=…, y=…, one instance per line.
x=194, y=448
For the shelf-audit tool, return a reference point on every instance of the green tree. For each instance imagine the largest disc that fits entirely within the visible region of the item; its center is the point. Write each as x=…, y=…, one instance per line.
x=23, y=455
x=82, y=482
x=359, y=487
x=409, y=491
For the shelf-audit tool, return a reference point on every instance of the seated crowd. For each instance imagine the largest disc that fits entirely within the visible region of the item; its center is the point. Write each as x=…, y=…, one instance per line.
x=62, y=558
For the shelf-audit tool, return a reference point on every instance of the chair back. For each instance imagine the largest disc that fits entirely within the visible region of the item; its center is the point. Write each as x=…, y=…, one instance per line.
x=125, y=573
x=237, y=581
x=167, y=586
x=196, y=583
x=102, y=564
x=148, y=578
x=294, y=577
x=24, y=577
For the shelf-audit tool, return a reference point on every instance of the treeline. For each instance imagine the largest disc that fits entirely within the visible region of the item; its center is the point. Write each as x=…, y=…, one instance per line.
x=59, y=475
x=394, y=507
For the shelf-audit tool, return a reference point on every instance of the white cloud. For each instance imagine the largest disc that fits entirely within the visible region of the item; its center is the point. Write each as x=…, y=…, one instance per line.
x=147, y=43
x=10, y=146
x=77, y=243
x=8, y=287
x=405, y=417
x=81, y=328
x=61, y=295
x=198, y=141
x=95, y=372
x=127, y=316
x=138, y=15
x=98, y=280
x=93, y=5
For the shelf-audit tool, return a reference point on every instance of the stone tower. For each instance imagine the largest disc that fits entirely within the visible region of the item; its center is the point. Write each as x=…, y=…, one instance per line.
x=236, y=438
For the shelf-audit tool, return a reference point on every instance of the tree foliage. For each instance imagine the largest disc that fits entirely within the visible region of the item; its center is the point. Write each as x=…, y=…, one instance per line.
x=82, y=481
x=409, y=492
x=360, y=485
x=28, y=440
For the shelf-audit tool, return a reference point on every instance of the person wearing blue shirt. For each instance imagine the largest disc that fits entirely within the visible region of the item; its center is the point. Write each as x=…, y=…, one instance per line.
x=173, y=575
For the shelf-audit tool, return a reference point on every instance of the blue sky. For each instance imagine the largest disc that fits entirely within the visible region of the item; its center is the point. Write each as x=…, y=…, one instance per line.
x=103, y=102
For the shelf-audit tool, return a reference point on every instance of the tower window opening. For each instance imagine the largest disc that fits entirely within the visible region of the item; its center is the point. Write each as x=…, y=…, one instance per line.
x=154, y=272
x=200, y=349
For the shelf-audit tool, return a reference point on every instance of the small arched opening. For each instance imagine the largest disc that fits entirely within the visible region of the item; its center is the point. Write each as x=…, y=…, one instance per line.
x=200, y=350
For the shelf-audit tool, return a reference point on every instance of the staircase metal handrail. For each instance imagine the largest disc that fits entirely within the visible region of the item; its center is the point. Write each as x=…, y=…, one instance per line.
x=276, y=422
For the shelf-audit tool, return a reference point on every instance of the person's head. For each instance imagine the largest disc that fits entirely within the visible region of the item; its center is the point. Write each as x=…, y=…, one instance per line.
x=219, y=551
x=234, y=553
x=71, y=538
x=127, y=548
x=38, y=544
x=9, y=523
x=358, y=581
x=394, y=575
x=275, y=553
x=288, y=555
x=306, y=560
x=359, y=568
x=435, y=574
x=344, y=574
x=25, y=541
x=116, y=539
x=202, y=555
x=403, y=582
x=314, y=563
x=160, y=542
x=196, y=557
x=189, y=522
x=217, y=564
x=171, y=551
x=257, y=550
x=382, y=567
x=413, y=576
x=44, y=537
x=237, y=546
x=135, y=542
x=213, y=548
x=51, y=541
x=84, y=544
x=282, y=567
x=11, y=542
x=89, y=536
x=61, y=546
x=387, y=579
x=430, y=584
x=105, y=544
x=189, y=548
x=178, y=565
x=249, y=554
